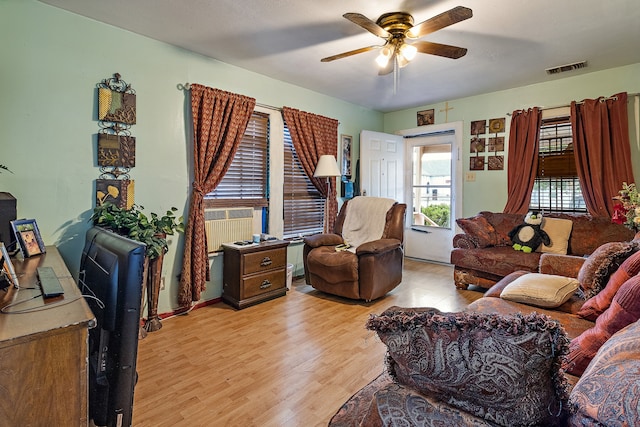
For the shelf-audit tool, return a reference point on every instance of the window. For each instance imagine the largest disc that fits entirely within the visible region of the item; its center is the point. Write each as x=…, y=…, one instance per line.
x=246, y=181
x=432, y=185
x=303, y=203
x=556, y=187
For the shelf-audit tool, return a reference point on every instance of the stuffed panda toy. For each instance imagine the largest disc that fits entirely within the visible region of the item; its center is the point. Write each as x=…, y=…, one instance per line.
x=528, y=236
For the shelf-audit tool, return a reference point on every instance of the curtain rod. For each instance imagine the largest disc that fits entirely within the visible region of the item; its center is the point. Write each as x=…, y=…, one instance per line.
x=578, y=102
x=187, y=86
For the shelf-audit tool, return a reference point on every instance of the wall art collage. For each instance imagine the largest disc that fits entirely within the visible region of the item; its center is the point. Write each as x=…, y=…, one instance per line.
x=116, y=145
x=486, y=140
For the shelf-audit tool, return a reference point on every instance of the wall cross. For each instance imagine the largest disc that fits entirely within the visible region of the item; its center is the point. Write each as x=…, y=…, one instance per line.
x=446, y=111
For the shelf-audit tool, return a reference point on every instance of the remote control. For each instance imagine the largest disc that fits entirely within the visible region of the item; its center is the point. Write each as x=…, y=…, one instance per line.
x=49, y=282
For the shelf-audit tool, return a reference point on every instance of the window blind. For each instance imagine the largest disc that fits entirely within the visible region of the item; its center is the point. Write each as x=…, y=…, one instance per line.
x=245, y=183
x=303, y=203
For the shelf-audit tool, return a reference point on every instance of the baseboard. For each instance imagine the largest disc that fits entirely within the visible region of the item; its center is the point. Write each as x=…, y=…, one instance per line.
x=183, y=310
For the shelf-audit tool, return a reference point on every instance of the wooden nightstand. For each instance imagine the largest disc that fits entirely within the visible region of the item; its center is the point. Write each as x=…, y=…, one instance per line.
x=254, y=273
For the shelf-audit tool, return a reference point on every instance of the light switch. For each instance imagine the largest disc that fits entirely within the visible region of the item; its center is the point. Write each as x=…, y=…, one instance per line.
x=471, y=177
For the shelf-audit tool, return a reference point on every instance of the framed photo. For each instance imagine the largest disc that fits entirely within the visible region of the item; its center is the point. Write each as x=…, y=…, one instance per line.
x=346, y=142
x=28, y=237
x=8, y=273
x=426, y=117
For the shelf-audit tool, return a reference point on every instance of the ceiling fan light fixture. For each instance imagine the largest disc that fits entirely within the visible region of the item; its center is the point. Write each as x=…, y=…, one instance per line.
x=408, y=51
x=383, y=59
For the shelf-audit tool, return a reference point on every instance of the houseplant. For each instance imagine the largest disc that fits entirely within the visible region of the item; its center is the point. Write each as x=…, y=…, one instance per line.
x=152, y=230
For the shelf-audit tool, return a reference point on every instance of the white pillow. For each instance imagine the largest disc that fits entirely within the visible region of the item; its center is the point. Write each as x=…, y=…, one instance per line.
x=559, y=231
x=541, y=290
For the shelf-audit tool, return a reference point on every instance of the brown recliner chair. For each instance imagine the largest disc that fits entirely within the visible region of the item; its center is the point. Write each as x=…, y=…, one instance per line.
x=369, y=269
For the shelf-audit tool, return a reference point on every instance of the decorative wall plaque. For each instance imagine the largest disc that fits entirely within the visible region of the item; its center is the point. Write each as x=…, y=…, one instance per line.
x=478, y=127
x=477, y=145
x=116, y=150
x=116, y=191
x=495, y=163
x=496, y=125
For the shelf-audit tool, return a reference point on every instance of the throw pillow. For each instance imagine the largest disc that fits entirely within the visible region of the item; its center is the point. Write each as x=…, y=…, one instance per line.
x=597, y=268
x=479, y=229
x=596, y=305
x=559, y=231
x=504, y=369
x=607, y=393
x=624, y=310
x=541, y=290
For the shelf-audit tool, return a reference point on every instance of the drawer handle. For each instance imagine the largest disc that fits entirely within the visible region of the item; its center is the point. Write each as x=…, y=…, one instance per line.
x=266, y=284
x=266, y=261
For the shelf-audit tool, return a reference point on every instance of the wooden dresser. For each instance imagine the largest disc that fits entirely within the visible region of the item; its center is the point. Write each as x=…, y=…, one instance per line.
x=43, y=349
x=254, y=273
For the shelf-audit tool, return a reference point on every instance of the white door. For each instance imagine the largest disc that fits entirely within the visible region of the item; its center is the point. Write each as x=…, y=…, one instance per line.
x=433, y=190
x=409, y=180
x=381, y=165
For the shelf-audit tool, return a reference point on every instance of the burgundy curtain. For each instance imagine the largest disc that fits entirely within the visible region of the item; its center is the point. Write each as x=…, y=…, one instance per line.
x=601, y=146
x=219, y=121
x=313, y=136
x=524, y=137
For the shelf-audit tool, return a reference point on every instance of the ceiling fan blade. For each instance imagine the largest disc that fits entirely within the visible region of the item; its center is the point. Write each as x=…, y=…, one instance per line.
x=453, y=16
x=367, y=24
x=445, y=50
x=350, y=53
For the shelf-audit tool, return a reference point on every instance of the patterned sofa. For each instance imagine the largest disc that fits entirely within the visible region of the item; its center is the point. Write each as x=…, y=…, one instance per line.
x=483, y=255
x=505, y=363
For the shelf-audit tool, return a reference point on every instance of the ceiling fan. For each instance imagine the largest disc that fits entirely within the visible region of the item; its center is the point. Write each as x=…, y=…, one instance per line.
x=396, y=28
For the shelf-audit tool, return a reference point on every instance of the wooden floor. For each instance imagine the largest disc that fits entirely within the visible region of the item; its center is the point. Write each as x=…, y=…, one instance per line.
x=291, y=361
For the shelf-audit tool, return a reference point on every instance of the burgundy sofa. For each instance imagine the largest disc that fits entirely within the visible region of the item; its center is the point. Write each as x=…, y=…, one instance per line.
x=482, y=254
x=502, y=362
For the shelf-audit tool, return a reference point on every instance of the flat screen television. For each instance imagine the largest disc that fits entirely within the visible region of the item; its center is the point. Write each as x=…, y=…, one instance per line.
x=111, y=271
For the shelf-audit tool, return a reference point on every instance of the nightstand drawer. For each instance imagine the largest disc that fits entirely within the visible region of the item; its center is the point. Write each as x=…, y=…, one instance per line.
x=264, y=260
x=263, y=283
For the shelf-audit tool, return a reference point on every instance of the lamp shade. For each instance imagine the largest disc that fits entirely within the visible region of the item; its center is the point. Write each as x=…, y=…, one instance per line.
x=327, y=166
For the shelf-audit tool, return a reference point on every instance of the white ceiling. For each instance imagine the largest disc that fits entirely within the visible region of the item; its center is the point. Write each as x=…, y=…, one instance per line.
x=510, y=42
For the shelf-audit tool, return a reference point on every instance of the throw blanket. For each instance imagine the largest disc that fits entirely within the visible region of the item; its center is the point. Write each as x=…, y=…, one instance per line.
x=365, y=220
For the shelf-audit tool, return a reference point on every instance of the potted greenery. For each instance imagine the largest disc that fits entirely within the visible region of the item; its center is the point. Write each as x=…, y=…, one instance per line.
x=152, y=230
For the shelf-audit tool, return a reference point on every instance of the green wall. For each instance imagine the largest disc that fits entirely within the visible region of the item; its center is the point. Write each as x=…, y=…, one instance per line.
x=489, y=190
x=51, y=63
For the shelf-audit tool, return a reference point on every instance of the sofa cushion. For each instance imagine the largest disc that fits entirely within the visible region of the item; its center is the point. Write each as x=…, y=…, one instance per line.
x=608, y=393
x=503, y=369
x=624, y=310
x=503, y=224
x=597, y=268
x=596, y=305
x=542, y=290
x=479, y=229
x=559, y=231
x=572, y=324
x=498, y=260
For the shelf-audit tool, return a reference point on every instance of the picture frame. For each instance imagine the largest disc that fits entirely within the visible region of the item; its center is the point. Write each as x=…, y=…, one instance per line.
x=8, y=272
x=346, y=142
x=28, y=237
x=426, y=117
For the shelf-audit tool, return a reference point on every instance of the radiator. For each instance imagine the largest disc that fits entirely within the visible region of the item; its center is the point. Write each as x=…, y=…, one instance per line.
x=227, y=225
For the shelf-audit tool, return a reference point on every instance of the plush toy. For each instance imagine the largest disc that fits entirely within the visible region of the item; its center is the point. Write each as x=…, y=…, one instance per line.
x=528, y=236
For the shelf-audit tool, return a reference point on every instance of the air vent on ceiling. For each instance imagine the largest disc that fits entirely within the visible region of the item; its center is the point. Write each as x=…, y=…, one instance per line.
x=568, y=67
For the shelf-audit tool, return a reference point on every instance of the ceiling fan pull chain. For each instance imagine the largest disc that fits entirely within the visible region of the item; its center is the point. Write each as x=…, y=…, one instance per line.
x=396, y=74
